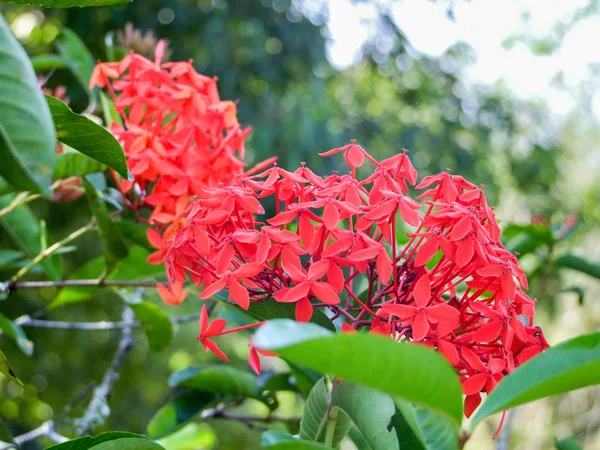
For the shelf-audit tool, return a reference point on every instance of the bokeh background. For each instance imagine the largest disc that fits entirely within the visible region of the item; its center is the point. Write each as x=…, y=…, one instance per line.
x=504, y=93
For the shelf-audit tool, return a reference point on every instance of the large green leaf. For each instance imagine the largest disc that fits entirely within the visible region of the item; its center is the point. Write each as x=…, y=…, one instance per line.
x=315, y=417
x=136, y=232
x=87, y=442
x=411, y=372
x=578, y=264
x=114, y=247
x=156, y=323
x=43, y=63
x=71, y=47
x=66, y=3
x=296, y=445
x=423, y=430
x=6, y=369
x=177, y=412
x=134, y=268
x=71, y=163
x=271, y=309
x=27, y=138
x=571, y=365
x=16, y=333
x=218, y=379
x=271, y=437
x=192, y=436
x=129, y=444
x=86, y=136
x=23, y=228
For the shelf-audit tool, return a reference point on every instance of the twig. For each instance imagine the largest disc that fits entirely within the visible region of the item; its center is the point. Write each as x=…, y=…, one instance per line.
x=26, y=321
x=49, y=252
x=505, y=436
x=45, y=429
x=21, y=199
x=81, y=283
x=98, y=409
x=247, y=418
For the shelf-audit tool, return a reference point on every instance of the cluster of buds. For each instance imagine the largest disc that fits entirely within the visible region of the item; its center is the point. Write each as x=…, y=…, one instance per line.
x=177, y=134
x=332, y=244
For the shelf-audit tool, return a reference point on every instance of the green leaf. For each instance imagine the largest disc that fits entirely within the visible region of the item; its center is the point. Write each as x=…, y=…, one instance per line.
x=156, y=324
x=72, y=48
x=297, y=445
x=24, y=230
x=427, y=430
x=136, y=233
x=66, y=3
x=571, y=365
x=568, y=443
x=114, y=247
x=86, y=136
x=44, y=63
x=315, y=417
x=277, y=382
x=271, y=437
x=109, y=110
x=129, y=444
x=524, y=239
x=180, y=410
x=5, y=434
x=134, y=267
x=271, y=309
x=305, y=378
x=218, y=379
x=409, y=371
x=88, y=442
x=16, y=333
x=578, y=264
x=192, y=436
x=27, y=138
x=6, y=370
x=71, y=163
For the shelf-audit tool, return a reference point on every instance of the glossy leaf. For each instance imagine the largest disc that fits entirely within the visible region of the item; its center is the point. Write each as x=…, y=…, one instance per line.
x=571, y=365
x=109, y=111
x=129, y=444
x=6, y=369
x=271, y=309
x=66, y=3
x=315, y=417
x=192, y=436
x=305, y=378
x=578, y=264
x=218, y=379
x=114, y=247
x=271, y=437
x=180, y=410
x=277, y=382
x=86, y=136
x=87, y=442
x=27, y=138
x=411, y=372
x=24, y=230
x=424, y=430
x=16, y=333
x=71, y=48
x=156, y=324
x=71, y=163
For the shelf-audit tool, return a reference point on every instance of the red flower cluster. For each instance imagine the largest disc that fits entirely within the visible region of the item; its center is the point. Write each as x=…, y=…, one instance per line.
x=178, y=135
x=333, y=244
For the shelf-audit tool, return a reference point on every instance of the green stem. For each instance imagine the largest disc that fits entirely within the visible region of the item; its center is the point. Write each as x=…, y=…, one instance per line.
x=50, y=251
x=330, y=430
x=21, y=199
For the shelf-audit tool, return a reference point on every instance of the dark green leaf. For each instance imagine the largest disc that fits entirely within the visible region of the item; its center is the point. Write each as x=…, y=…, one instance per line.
x=86, y=136
x=568, y=443
x=136, y=233
x=66, y=3
x=271, y=309
x=27, y=138
x=24, y=230
x=87, y=442
x=72, y=48
x=114, y=247
x=109, y=111
x=427, y=430
x=524, y=239
x=271, y=437
x=411, y=372
x=6, y=369
x=218, y=379
x=71, y=163
x=277, y=382
x=129, y=444
x=16, y=333
x=571, y=365
x=156, y=323
x=305, y=377
x=44, y=63
x=315, y=417
x=578, y=264
x=5, y=434
x=177, y=412
x=10, y=259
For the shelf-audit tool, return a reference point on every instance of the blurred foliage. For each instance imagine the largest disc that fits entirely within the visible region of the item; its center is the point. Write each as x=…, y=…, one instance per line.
x=271, y=56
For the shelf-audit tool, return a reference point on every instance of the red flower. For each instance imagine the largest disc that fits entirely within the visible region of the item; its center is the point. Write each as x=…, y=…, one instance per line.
x=209, y=330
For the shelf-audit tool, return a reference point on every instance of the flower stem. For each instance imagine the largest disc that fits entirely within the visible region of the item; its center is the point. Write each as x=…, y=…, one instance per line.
x=330, y=430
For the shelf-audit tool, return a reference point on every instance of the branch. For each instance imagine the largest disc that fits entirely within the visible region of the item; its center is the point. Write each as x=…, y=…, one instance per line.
x=81, y=283
x=98, y=409
x=26, y=321
x=45, y=429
